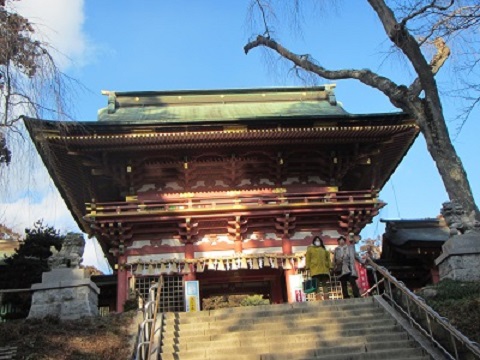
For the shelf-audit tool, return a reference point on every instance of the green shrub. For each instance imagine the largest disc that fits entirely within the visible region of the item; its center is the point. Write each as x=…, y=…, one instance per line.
x=451, y=289
x=130, y=304
x=459, y=302
x=254, y=300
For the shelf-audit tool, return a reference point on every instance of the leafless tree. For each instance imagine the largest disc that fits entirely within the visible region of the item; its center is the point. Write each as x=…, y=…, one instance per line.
x=30, y=81
x=411, y=26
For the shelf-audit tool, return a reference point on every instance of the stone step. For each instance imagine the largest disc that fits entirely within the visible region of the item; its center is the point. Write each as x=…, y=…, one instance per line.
x=397, y=354
x=282, y=327
x=259, y=317
x=285, y=342
x=8, y=352
x=333, y=329
x=396, y=350
x=267, y=310
x=304, y=333
x=339, y=354
x=274, y=323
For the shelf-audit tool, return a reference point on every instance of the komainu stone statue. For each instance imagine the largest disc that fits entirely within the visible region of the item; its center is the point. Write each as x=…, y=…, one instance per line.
x=66, y=291
x=461, y=252
x=458, y=220
x=70, y=256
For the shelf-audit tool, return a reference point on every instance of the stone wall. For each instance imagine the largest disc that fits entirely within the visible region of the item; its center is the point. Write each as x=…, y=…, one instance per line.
x=461, y=267
x=460, y=258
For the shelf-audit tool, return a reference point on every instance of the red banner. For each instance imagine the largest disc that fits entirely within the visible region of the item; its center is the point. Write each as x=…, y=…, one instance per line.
x=362, y=280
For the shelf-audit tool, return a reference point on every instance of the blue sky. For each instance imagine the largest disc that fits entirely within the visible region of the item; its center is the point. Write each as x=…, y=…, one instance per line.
x=158, y=45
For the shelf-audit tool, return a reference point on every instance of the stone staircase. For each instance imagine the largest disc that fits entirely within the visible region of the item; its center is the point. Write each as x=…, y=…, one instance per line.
x=8, y=352
x=333, y=329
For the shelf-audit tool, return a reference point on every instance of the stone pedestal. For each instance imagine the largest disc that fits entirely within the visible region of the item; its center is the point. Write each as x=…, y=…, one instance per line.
x=460, y=257
x=65, y=293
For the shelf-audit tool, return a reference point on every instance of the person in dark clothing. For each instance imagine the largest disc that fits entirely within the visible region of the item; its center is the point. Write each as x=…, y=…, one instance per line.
x=344, y=266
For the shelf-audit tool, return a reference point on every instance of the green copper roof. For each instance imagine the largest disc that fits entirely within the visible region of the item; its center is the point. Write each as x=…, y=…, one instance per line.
x=221, y=105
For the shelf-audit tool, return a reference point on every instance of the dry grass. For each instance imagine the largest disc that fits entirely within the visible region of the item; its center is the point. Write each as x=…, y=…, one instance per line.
x=106, y=338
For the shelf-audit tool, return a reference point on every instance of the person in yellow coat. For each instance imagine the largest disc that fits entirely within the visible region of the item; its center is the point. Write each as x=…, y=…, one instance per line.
x=318, y=262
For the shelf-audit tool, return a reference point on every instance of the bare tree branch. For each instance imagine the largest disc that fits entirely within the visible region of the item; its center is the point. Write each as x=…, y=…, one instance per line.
x=424, y=9
x=394, y=92
x=421, y=100
x=264, y=18
x=30, y=81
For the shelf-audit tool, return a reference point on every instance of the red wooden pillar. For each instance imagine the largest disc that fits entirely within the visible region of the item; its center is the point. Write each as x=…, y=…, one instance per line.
x=287, y=250
x=238, y=246
x=189, y=254
x=236, y=229
x=277, y=296
x=435, y=275
x=121, y=283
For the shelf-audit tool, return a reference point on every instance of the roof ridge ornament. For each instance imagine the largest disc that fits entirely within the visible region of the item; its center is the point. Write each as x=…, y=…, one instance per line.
x=332, y=100
x=112, y=100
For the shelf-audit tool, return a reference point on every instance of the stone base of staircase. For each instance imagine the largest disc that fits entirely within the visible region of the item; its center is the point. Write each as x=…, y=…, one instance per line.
x=332, y=329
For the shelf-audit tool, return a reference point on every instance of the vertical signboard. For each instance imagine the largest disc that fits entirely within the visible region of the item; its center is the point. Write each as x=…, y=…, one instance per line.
x=296, y=288
x=192, y=296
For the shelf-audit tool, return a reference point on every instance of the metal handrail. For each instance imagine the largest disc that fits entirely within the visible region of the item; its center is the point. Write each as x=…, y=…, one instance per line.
x=428, y=312
x=146, y=330
x=157, y=302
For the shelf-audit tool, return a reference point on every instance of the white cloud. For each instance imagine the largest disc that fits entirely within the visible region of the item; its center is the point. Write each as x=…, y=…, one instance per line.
x=48, y=205
x=59, y=23
x=93, y=255
x=23, y=212
x=27, y=194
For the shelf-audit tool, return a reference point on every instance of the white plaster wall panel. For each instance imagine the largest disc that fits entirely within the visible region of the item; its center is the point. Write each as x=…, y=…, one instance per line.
x=155, y=257
x=264, y=181
x=200, y=183
x=146, y=187
x=267, y=250
x=244, y=182
x=316, y=180
x=332, y=233
x=173, y=185
x=256, y=237
x=138, y=244
x=298, y=249
x=171, y=242
x=291, y=180
x=218, y=239
x=271, y=236
x=221, y=183
x=213, y=254
x=301, y=235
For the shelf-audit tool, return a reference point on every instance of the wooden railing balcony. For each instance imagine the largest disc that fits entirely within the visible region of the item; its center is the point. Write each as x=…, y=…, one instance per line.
x=231, y=201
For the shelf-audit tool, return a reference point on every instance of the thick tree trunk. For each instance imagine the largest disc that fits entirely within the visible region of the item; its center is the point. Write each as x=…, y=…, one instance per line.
x=433, y=127
x=430, y=114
